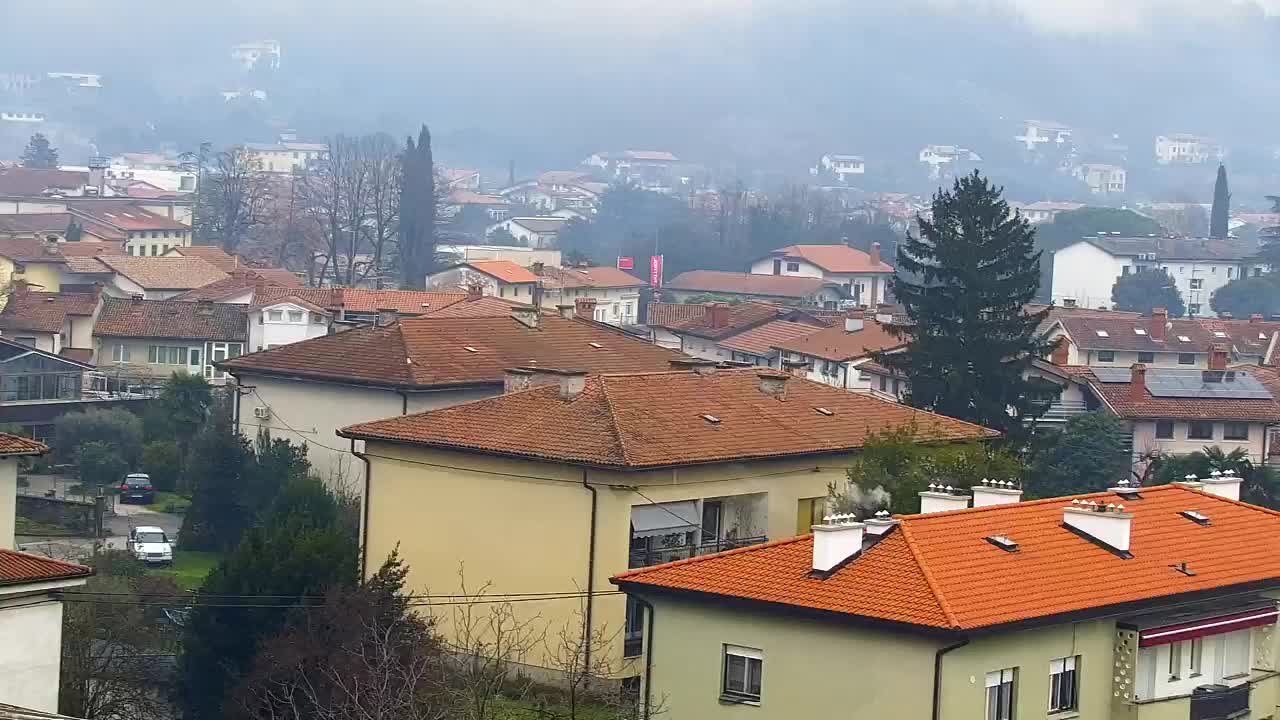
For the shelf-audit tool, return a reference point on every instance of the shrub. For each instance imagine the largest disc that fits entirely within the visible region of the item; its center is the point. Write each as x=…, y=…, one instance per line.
x=100, y=464
x=162, y=460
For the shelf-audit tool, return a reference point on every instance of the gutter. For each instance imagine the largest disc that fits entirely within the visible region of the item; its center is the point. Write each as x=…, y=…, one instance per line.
x=364, y=513
x=591, y=572
x=937, y=675
x=648, y=654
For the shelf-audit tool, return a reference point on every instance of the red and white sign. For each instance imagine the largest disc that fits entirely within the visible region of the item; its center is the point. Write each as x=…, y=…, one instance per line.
x=655, y=271
x=626, y=263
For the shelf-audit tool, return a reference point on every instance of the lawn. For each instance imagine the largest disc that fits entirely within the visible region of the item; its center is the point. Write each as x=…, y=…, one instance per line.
x=190, y=567
x=170, y=502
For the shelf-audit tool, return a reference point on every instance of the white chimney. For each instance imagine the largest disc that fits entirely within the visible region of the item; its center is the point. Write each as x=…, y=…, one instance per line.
x=854, y=321
x=572, y=383
x=940, y=498
x=1190, y=481
x=526, y=315
x=1108, y=524
x=1224, y=484
x=567, y=312
x=880, y=524
x=996, y=492
x=838, y=539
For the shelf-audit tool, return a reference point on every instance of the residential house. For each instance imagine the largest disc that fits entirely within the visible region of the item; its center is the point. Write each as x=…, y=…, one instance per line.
x=864, y=276
x=522, y=256
x=841, y=168
x=797, y=290
x=52, y=322
x=1038, y=134
x=1085, y=271
x=1121, y=339
x=145, y=341
x=1044, y=211
x=54, y=226
x=286, y=156
x=37, y=263
x=461, y=178
x=534, y=232
x=740, y=333
x=306, y=391
x=616, y=293
x=834, y=355
x=496, y=207
x=285, y=320
x=941, y=160
x=663, y=317
x=1133, y=604
x=1102, y=179
x=1186, y=149
x=146, y=232
x=13, y=448
x=647, y=169
x=596, y=474
x=154, y=278
x=501, y=278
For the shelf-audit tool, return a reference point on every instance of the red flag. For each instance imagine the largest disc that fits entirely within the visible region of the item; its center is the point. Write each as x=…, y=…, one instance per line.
x=626, y=263
x=655, y=271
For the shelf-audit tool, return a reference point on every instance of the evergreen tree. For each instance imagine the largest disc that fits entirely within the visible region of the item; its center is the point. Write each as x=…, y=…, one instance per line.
x=965, y=282
x=1088, y=454
x=1142, y=291
x=417, y=212
x=1218, y=218
x=39, y=153
x=73, y=232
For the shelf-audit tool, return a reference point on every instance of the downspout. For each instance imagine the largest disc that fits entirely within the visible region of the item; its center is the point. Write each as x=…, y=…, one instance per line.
x=236, y=412
x=364, y=512
x=648, y=652
x=591, y=575
x=404, y=402
x=937, y=675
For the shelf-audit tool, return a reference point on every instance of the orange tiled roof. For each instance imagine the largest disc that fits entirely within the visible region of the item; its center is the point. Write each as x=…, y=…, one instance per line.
x=163, y=273
x=44, y=311
x=483, y=306
x=1119, y=398
x=597, y=276
x=175, y=319
x=19, y=567
x=741, y=317
x=211, y=254
x=645, y=420
x=833, y=343
x=406, y=302
x=433, y=351
x=715, y=281
x=665, y=315
x=17, y=445
x=938, y=571
x=835, y=258
x=503, y=270
x=762, y=339
x=280, y=277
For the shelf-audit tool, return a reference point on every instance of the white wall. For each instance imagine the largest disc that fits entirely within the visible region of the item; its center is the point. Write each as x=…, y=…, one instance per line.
x=265, y=333
x=1144, y=440
x=1085, y=273
x=30, y=652
x=1211, y=276
x=8, y=502
x=616, y=306
x=807, y=269
x=803, y=268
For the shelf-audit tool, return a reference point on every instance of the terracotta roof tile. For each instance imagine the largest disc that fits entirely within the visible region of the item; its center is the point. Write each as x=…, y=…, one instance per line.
x=32, y=182
x=27, y=250
x=164, y=273
x=503, y=270
x=835, y=258
x=220, y=289
x=762, y=339
x=834, y=343
x=938, y=570
x=715, y=281
x=211, y=254
x=483, y=306
x=1119, y=397
x=598, y=276
x=44, y=311
x=86, y=265
x=741, y=317
x=126, y=216
x=17, y=445
x=19, y=567
x=1243, y=336
x=40, y=222
x=433, y=351
x=642, y=420
x=172, y=319
x=80, y=355
x=665, y=315
x=406, y=302
x=279, y=277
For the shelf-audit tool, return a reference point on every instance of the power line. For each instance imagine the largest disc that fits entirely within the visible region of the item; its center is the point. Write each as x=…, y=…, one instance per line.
x=69, y=597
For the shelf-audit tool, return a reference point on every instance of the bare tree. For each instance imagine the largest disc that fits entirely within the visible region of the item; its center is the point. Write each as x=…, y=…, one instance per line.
x=235, y=200
x=382, y=163
x=587, y=660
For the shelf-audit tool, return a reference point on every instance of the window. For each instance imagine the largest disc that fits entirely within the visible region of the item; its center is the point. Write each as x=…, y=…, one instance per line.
x=1235, y=653
x=793, y=267
x=1000, y=694
x=1124, y=270
x=317, y=318
x=1199, y=430
x=1149, y=357
x=1186, y=358
x=1164, y=429
x=1235, y=431
x=1175, y=661
x=633, y=635
x=1229, y=272
x=295, y=316
x=884, y=384
x=1197, y=655
x=120, y=352
x=1193, y=309
x=1197, y=283
x=166, y=355
x=275, y=315
x=193, y=357
x=742, y=669
x=1062, y=684
x=1106, y=356
x=28, y=341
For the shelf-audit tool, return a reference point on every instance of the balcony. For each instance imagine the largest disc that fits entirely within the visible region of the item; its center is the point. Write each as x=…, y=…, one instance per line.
x=656, y=556
x=1219, y=702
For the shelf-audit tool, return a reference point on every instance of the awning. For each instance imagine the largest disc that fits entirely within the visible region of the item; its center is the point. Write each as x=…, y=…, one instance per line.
x=1207, y=626
x=664, y=518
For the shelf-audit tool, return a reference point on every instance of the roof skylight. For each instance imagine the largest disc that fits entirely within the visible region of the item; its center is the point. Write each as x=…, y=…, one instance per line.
x=1139, y=331
x=468, y=348
x=825, y=411
x=595, y=345
x=1183, y=338
x=1103, y=333
x=711, y=419
x=1195, y=516
x=1004, y=542
x=1219, y=333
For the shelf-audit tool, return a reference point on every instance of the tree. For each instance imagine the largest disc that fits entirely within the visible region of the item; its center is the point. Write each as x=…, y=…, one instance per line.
x=117, y=428
x=1243, y=297
x=1220, y=215
x=185, y=401
x=1088, y=454
x=162, y=461
x=1142, y=291
x=235, y=199
x=964, y=283
x=39, y=153
x=100, y=464
x=418, y=212
x=303, y=546
x=220, y=472
x=1270, y=236
x=1260, y=483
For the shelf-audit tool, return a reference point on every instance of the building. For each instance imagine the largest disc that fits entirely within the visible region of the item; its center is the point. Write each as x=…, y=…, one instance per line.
x=308, y=390
x=1039, y=134
x=597, y=474
x=522, y=256
x=51, y=322
x=499, y=278
x=1101, y=179
x=533, y=232
x=1085, y=272
x=613, y=294
x=841, y=168
x=1044, y=211
x=942, y=160
x=146, y=341
x=744, y=332
x=834, y=355
x=1185, y=149
x=864, y=276
x=154, y=278
x=248, y=55
x=662, y=318
x=1113, y=605
x=286, y=156
x=1122, y=339
x=797, y=290
x=285, y=320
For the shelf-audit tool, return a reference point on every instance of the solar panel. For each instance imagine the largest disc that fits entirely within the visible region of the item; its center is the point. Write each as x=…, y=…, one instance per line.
x=1111, y=374
x=1208, y=384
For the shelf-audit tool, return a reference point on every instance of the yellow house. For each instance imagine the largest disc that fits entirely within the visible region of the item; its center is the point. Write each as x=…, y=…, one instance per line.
x=1150, y=603
x=545, y=492
x=35, y=261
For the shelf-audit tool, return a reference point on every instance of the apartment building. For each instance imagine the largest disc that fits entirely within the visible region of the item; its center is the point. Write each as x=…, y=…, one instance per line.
x=864, y=276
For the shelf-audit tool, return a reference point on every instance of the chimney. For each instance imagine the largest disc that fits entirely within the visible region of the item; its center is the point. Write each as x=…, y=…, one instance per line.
x=835, y=542
x=940, y=498
x=697, y=365
x=1138, y=382
x=1255, y=318
x=516, y=379
x=1225, y=316
x=526, y=315
x=1061, y=354
x=996, y=492
x=716, y=315
x=879, y=525
x=566, y=311
x=854, y=320
x=1190, y=481
x=1218, y=355
x=875, y=256
x=1223, y=484
x=537, y=268
x=1108, y=525
x=572, y=383
x=585, y=307
x=773, y=383
x=135, y=299
x=386, y=316
x=1159, y=319
x=884, y=314
x=475, y=291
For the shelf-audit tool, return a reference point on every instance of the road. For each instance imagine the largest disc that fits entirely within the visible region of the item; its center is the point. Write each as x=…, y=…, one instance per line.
x=74, y=548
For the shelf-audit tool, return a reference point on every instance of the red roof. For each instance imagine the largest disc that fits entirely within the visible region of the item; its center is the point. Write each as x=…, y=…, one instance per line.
x=835, y=258
x=646, y=420
x=125, y=216
x=596, y=276
x=1244, y=337
x=834, y=343
x=405, y=302
x=211, y=254
x=731, y=283
x=17, y=445
x=163, y=273
x=18, y=567
x=665, y=315
x=32, y=182
x=45, y=311
x=503, y=270
x=741, y=317
x=938, y=570
x=1118, y=396
x=762, y=339
x=174, y=319
x=483, y=306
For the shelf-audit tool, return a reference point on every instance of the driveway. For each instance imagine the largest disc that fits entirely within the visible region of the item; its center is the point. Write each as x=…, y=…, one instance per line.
x=76, y=548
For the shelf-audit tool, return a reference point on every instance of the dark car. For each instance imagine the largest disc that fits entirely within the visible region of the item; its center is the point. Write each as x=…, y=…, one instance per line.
x=137, y=486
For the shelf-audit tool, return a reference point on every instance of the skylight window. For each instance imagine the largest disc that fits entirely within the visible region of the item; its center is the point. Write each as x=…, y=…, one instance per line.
x=824, y=411
x=1183, y=338
x=1103, y=333
x=1139, y=331
x=1219, y=333
x=595, y=345
x=1004, y=542
x=711, y=419
x=468, y=348
x=1195, y=516
x=1262, y=336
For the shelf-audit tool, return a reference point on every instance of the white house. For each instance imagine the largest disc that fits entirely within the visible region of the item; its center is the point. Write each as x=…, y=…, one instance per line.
x=534, y=232
x=863, y=275
x=499, y=278
x=286, y=156
x=1085, y=271
x=833, y=355
x=939, y=158
x=1186, y=149
x=843, y=167
x=1038, y=133
x=1102, y=179
x=1044, y=211
x=290, y=320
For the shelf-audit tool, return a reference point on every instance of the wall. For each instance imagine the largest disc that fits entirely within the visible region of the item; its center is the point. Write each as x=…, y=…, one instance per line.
x=146, y=242
x=1144, y=440
x=8, y=500
x=764, y=266
x=1085, y=273
x=702, y=348
x=810, y=669
x=1211, y=276
x=137, y=365
x=30, y=655
x=265, y=333
x=616, y=306
x=665, y=338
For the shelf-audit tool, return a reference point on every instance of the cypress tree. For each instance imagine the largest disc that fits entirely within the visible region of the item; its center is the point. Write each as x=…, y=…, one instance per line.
x=965, y=282
x=1221, y=205
x=417, y=212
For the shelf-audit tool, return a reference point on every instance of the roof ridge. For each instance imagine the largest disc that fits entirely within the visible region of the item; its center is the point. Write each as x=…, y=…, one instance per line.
x=711, y=556
x=928, y=577
x=410, y=365
x=614, y=428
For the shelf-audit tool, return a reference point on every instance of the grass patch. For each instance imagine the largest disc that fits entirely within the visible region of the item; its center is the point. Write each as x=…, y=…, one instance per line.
x=27, y=526
x=170, y=502
x=546, y=704
x=190, y=567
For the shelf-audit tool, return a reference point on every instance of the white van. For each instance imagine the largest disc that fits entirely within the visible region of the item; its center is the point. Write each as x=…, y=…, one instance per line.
x=150, y=545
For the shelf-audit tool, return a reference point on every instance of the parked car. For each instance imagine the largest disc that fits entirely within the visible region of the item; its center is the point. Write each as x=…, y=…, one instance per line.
x=137, y=486
x=150, y=545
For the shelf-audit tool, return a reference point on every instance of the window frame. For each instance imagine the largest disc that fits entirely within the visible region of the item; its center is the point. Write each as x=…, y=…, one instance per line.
x=793, y=267
x=1237, y=437
x=1064, y=684
x=1004, y=693
x=1106, y=356
x=1164, y=435
x=1194, y=424
x=749, y=656
x=1183, y=358
x=1175, y=662
x=1146, y=357
x=1195, y=646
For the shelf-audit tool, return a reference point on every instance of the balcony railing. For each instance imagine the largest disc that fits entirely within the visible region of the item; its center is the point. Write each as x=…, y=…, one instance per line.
x=657, y=556
x=1218, y=702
